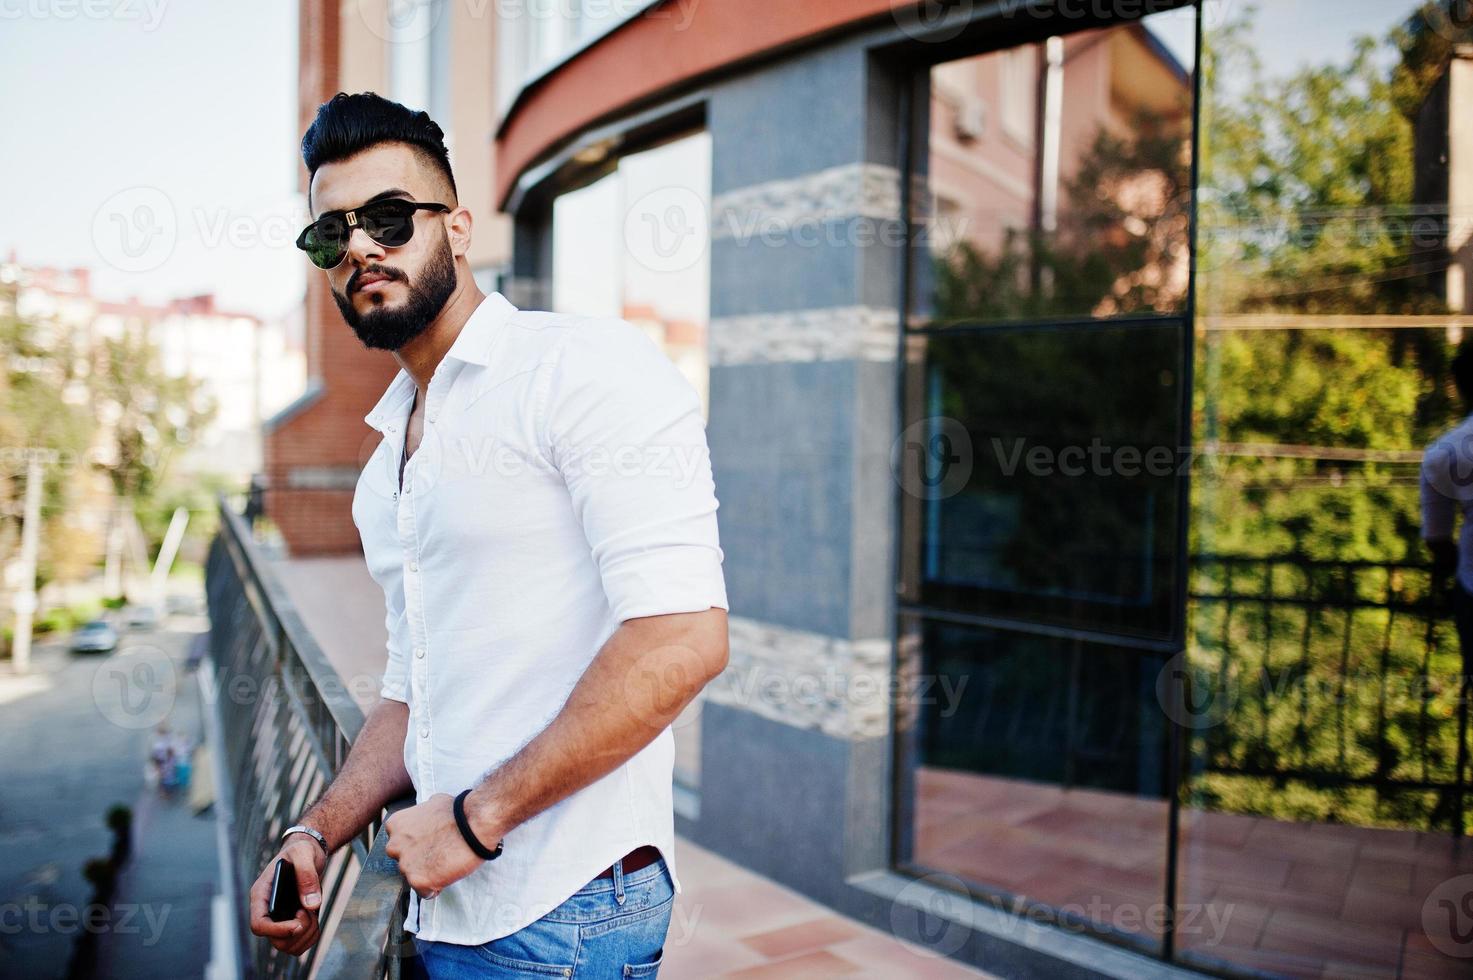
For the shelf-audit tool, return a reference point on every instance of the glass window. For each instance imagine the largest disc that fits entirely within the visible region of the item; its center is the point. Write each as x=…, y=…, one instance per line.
x=1030, y=777
x=1324, y=799
x=1069, y=512
x=1078, y=204
x=1042, y=471
x=634, y=244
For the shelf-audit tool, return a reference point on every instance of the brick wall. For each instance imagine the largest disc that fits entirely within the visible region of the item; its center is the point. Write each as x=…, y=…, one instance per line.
x=312, y=455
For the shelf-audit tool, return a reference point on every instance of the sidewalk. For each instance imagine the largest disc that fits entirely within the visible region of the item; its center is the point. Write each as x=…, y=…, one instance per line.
x=731, y=923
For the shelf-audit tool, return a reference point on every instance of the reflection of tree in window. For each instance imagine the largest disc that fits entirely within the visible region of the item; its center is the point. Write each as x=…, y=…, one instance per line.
x=1324, y=194
x=1121, y=244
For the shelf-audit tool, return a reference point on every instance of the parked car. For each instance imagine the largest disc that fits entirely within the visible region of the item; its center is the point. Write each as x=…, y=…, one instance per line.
x=97, y=636
x=181, y=604
x=141, y=618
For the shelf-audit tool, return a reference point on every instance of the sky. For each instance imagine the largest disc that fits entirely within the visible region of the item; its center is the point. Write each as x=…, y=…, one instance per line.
x=1293, y=34
x=155, y=141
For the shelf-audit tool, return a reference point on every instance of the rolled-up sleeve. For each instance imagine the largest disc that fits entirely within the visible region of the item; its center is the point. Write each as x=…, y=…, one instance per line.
x=1438, y=509
x=624, y=428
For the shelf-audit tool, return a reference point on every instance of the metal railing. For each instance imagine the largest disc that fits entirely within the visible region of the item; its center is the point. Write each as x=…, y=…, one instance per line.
x=287, y=722
x=1342, y=676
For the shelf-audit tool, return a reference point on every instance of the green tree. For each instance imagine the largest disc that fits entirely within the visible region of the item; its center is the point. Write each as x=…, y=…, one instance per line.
x=151, y=415
x=41, y=408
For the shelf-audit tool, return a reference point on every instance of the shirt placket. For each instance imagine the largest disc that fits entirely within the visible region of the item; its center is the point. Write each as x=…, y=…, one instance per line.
x=411, y=510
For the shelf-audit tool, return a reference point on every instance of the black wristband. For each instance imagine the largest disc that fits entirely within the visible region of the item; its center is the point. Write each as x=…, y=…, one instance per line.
x=465, y=830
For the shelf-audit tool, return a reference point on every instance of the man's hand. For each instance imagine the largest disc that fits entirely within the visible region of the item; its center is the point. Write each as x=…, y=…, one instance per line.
x=427, y=844
x=294, y=936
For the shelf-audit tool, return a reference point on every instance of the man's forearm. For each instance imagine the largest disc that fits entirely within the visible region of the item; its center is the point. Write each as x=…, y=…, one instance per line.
x=637, y=684
x=373, y=775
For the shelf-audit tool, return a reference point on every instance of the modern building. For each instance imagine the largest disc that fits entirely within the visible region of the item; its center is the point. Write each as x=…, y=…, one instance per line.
x=1065, y=401
x=436, y=56
x=247, y=368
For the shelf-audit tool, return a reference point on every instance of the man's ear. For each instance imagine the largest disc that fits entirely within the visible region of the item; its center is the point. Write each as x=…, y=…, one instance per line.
x=458, y=228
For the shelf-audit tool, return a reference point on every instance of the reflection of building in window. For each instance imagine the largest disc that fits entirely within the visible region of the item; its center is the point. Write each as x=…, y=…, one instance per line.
x=1017, y=72
x=1443, y=194
x=946, y=221
x=633, y=244
x=1073, y=198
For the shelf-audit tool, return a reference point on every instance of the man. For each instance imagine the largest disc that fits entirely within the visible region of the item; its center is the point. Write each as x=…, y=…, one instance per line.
x=1447, y=489
x=541, y=517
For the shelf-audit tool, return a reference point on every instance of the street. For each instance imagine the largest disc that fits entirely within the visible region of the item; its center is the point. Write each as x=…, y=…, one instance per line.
x=78, y=729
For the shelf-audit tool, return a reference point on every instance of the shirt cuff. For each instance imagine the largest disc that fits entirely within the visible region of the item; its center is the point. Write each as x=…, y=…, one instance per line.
x=675, y=580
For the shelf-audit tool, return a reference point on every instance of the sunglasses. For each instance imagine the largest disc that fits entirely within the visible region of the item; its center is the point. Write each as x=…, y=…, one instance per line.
x=389, y=222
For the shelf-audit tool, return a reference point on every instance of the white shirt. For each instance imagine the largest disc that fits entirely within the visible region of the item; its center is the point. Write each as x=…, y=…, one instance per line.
x=562, y=485
x=1447, y=488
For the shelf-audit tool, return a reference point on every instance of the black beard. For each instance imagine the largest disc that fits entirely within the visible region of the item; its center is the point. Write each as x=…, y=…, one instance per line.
x=390, y=329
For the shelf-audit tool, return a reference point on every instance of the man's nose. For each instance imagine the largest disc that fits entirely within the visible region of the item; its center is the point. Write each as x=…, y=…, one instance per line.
x=362, y=249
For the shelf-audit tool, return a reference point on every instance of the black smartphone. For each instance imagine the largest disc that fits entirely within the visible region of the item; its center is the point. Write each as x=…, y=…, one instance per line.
x=285, y=902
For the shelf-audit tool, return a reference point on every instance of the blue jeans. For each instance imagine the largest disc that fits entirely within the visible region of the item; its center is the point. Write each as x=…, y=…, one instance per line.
x=607, y=930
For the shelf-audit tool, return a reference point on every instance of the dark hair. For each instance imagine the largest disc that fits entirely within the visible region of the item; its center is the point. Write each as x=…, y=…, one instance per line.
x=349, y=124
x=1463, y=370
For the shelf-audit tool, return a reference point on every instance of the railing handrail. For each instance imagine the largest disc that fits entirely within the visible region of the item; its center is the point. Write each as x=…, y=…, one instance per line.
x=278, y=752
x=274, y=605
x=1300, y=558
x=370, y=934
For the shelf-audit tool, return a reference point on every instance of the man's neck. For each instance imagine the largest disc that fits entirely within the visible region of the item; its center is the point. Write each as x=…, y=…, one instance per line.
x=424, y=353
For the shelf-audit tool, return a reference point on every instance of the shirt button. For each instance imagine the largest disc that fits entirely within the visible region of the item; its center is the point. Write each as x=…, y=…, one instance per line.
x=424, y=731
x=419, y=652
x=414, y=566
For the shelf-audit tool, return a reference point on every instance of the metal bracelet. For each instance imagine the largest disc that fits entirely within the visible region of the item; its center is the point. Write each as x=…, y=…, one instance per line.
x=304, y=829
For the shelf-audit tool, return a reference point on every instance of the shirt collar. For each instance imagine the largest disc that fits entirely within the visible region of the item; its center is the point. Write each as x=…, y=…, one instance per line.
x=477, y=336
x=480, y=332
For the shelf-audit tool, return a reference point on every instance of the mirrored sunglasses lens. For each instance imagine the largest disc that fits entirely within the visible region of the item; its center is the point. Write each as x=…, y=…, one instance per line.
x=324, y=255
x=390, y=223
x=324, y=243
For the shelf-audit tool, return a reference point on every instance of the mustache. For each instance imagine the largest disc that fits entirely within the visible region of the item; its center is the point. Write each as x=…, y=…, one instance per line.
x=381, y=270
